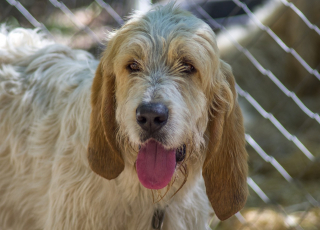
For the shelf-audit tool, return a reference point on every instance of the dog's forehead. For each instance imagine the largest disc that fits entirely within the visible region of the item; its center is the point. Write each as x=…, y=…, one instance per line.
x=168, y=31
x=163, y=21
x=168, y=23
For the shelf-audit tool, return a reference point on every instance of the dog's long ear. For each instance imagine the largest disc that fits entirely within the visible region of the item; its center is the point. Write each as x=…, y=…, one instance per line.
x=103, y=153
x=225, y=166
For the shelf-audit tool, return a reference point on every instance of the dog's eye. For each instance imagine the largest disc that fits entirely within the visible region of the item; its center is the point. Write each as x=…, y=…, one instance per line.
x=134, y=67
x=188, y=68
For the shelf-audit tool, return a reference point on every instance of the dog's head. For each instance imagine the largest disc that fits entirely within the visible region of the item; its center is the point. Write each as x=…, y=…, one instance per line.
x=161, y=89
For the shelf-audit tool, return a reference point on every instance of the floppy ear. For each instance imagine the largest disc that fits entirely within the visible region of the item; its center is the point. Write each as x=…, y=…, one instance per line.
x=103, y=153
x=225, y=167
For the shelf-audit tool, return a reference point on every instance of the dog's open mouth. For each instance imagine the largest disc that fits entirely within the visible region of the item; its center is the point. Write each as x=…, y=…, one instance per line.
x=156, y=165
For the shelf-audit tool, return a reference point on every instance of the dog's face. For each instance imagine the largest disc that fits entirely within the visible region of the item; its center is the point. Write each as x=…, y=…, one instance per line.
x=162, y=77
x=162, y=90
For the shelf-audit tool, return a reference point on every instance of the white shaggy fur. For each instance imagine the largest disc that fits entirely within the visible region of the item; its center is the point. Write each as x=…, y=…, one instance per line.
x=46, y=180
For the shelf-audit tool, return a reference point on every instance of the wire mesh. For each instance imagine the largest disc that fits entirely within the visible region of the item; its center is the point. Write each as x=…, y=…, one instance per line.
x=274, y=49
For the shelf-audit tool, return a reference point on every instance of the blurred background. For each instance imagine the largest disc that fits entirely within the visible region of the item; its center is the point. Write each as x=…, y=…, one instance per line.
x=273, y=47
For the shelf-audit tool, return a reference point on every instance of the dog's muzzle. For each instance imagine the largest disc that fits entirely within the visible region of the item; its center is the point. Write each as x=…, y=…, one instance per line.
x=155, y=163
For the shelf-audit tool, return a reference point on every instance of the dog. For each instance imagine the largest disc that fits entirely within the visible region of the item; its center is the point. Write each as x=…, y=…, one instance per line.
x=146, y=138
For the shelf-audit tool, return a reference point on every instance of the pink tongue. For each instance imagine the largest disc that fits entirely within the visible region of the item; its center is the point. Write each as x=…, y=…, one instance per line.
x=155, y=165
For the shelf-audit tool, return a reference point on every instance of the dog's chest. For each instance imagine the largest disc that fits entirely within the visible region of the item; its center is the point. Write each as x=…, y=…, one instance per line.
x=188, y=209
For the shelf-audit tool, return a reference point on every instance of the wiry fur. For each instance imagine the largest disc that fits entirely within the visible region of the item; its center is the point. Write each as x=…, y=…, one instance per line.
x=46, y=177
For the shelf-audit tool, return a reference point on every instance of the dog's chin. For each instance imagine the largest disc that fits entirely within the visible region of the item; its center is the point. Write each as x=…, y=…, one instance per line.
x=156, y=162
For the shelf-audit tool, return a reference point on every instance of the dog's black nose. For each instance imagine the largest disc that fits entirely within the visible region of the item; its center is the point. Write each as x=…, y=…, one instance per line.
x=152, y=116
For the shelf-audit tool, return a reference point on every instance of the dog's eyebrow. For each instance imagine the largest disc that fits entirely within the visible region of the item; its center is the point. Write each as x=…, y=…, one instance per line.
x=187, y=60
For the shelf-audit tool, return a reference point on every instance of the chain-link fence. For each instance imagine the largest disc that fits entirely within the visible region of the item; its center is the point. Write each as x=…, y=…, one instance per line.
x=274, y=49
